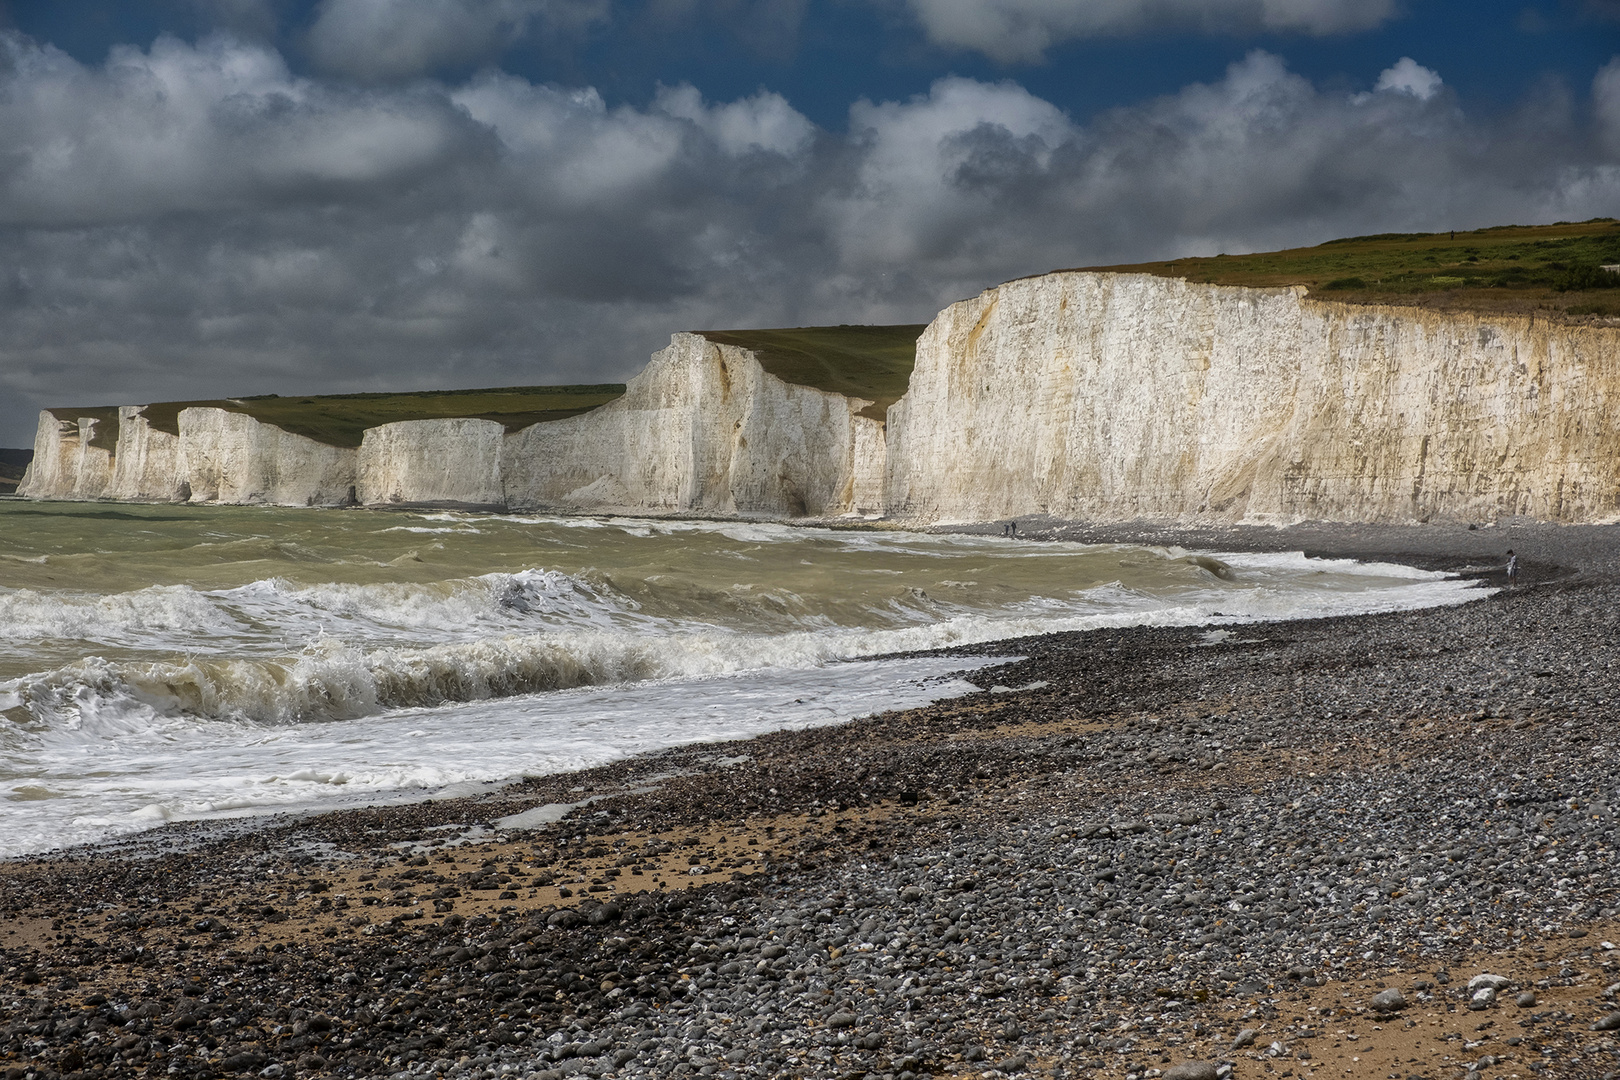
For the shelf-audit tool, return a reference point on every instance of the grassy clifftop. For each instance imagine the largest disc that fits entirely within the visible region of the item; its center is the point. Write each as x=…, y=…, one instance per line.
x=341, y=419
x=1512, y=268
x=106, y=432
x=1557, y=269
x=871, y=362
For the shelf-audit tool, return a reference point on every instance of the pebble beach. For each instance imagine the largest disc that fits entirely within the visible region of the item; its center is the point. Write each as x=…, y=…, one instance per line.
x=1370, y=846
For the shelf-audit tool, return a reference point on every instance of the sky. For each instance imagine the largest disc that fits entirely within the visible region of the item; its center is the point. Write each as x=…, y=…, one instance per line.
x=212, y=198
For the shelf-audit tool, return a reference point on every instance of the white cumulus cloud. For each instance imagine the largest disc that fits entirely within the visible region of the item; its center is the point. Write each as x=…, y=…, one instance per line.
x=1407, y=76
x=763, y=122
x=1022, y=30
x=197, y=128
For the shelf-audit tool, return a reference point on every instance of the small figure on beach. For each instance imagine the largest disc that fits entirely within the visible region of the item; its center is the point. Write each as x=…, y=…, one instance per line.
x=1512, y=568
x=1010, y=529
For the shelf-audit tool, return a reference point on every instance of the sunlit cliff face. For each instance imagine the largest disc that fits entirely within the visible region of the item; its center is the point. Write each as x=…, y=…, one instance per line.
x=1109, y=397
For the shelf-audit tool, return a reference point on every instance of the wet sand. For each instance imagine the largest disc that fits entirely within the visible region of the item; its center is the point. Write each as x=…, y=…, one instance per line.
x=1132, y=848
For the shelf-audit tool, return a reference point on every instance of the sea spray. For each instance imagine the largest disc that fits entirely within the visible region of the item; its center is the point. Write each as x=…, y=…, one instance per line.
x=172, y=662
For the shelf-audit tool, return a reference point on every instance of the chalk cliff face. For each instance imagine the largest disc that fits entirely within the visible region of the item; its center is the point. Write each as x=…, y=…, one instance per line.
x=1111, y=397
x=432, y=462
x=66, y=465
x=1101, y=397
x=218, y=457
x=232, y=458
x=703, y=429
x=148, y=465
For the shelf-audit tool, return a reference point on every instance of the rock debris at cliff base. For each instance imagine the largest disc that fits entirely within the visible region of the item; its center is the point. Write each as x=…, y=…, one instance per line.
x=1167, y=847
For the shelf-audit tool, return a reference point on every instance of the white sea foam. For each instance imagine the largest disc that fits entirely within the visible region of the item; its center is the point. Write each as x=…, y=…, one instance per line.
x=546, y=644
x=460, y=607
x=31, y=614
x=205, y=771
x=335, y=680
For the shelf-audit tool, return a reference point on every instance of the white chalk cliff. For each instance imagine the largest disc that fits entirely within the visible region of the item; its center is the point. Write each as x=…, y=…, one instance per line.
x=703, y=429
x=148, y=465
x=230, y=457
x=66, y=465
x=1114, y=397
x=432, y=462
x=1091, y=396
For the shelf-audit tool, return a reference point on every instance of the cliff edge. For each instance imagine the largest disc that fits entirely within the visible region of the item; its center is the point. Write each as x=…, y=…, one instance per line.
x=1087, y=395
x=703, y=429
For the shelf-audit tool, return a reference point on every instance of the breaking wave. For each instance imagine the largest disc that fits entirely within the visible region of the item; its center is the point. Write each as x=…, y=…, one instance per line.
x=278, y=658
x=332, y=679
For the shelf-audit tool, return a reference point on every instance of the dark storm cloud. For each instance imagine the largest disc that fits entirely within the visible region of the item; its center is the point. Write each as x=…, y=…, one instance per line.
x=1606, y=106
x=245, y=18
x=392, y=39
x=197, y=220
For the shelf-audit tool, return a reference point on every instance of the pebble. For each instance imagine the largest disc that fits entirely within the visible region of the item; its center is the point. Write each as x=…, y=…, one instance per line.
x=1390, y=1000
x=1032, y=913
x=1192, y=1070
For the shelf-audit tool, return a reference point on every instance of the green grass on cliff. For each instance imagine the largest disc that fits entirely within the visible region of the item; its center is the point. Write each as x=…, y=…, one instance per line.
x=859, y=361
x=872, y=362
x=106, y=434
x=341, y=419
x=1555, y=268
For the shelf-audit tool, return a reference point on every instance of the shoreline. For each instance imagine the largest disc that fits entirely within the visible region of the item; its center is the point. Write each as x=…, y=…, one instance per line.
x=1037, y=881
x=1549, y=552
x=1328, y=537
x=1589, y=550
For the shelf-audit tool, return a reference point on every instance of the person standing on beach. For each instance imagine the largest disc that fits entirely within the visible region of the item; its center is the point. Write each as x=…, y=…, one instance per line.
x=1512, y=568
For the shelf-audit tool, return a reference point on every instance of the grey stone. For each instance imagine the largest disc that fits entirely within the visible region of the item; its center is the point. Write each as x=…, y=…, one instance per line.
x=1192, y=1070
x=1608, y=1023
x=1244, y=1038
x=1390, y=1000
x=1526, y=1000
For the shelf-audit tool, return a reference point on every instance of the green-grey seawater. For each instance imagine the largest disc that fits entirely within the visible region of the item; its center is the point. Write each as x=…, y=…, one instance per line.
x=163, y=661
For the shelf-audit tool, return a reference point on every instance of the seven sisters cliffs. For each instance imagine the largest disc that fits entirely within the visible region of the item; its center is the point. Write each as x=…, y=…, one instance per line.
x=1360, y=846
x=1080, y=395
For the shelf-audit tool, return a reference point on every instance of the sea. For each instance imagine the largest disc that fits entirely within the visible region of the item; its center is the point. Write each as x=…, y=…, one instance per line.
x=165, y=663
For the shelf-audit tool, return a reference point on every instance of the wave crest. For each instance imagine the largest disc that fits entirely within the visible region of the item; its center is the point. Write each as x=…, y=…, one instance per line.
x=160, y=609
